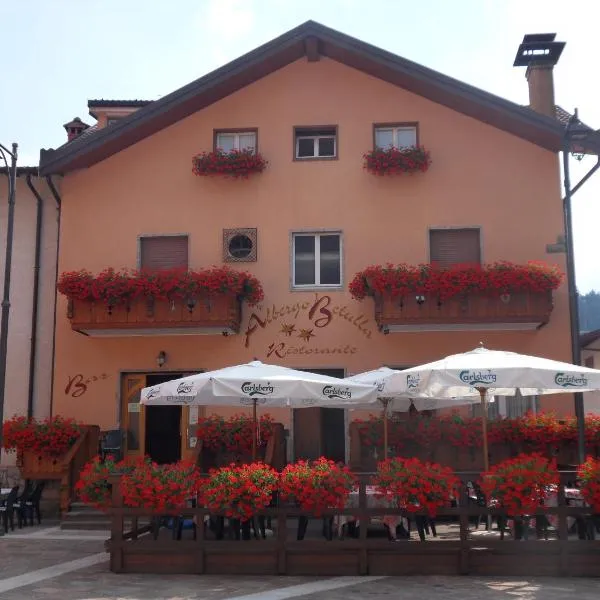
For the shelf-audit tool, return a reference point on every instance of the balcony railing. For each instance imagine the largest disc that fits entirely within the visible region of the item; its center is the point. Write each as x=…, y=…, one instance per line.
x=473, y=311
x=218, y=315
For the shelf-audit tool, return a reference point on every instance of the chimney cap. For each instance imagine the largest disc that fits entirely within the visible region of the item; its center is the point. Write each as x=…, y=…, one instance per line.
x=539, y=49
x=76, y=123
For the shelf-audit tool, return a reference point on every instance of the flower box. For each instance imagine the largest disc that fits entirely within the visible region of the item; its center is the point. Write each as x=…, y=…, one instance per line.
x=526, y=310
x=217, y=315
x=396, y=161
x=236, y=164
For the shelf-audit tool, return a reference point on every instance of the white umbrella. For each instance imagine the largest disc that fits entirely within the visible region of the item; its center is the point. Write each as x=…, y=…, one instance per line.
x=395, y=397
x=481, y=372
x=256, y=383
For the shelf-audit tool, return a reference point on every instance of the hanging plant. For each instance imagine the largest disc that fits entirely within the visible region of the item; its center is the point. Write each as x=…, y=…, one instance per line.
x=588, y=475
x=236, y=164
x=233, y=434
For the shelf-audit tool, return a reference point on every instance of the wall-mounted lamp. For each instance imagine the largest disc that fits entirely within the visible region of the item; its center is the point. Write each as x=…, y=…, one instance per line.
x=161, y=359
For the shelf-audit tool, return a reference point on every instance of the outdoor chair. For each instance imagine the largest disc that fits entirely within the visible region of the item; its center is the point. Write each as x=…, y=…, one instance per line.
x=7, y=509
x=31, y=506
x=111, y=444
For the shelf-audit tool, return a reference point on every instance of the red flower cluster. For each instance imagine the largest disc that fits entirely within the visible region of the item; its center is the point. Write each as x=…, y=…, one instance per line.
x=443, y=283
x=122, y=287
x=519, y=485
x=235, y=433
x=93, y=487
x=317, y=486
x=235, y=163
x=160, y=488
x=395, y=161
x=51, y=437
x=588, y=475
x=239, y=492
x=415, y=485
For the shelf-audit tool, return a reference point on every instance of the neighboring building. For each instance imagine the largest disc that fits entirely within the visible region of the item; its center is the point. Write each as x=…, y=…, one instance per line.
x=312, y=101
x=32, y=294
x=590, y=357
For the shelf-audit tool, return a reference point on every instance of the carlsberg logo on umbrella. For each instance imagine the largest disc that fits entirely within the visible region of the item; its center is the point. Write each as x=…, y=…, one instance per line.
x=570, y=381
x=257, y=389
x=332, y=391
x=477, y=378
x=185, y=388
x=413, y=381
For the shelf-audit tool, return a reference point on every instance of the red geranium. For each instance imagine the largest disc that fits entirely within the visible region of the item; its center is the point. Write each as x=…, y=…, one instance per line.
x=519, y=485
x=234, y=434
x=415, y=485
x=395, y=161
x=160, y=488
x=588, y=475
x=317, y=486
x=239, y=492
x=122, y=287
x=446, y=282
x=235, y=163
x=51, y=437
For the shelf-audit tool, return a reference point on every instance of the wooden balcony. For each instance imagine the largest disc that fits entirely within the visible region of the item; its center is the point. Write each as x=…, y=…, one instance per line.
x=472, y=312
x=220, y=315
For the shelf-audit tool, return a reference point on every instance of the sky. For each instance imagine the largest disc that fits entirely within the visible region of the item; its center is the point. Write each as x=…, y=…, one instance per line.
x=57, y=54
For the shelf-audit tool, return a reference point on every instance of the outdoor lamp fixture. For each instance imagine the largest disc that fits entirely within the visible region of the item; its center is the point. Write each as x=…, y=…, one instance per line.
x=161, y=359
x=578, y=140
x=11, y=170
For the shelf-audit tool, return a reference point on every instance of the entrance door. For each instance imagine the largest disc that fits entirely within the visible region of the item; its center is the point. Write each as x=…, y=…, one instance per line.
x=157, y=431
x=320, y=431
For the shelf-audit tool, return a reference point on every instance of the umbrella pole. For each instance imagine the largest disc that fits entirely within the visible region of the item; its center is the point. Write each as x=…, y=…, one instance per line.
x=483, y=396
x=254, y=430
x=385, y=428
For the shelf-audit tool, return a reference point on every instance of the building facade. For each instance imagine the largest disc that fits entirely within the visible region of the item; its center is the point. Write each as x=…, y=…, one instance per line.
x=32, y=294
x=312, y=102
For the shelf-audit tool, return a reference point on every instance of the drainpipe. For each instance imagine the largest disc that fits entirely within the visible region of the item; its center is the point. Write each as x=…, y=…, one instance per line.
x=57, y=198
x=36, y=286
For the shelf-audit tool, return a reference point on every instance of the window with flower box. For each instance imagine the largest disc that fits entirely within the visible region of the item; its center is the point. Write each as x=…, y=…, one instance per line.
x=243, y=139
x=454, y=246
x=158, y=252
x=396, y=135
x=315, y=142
x=316, y=259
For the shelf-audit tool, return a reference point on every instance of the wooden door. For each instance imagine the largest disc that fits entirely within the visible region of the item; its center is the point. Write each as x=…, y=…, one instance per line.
x=307, y=433
x=132, y=414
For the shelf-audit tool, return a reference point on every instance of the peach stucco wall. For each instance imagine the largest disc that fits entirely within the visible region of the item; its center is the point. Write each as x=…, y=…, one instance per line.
x=21, y=298
x=480, y=177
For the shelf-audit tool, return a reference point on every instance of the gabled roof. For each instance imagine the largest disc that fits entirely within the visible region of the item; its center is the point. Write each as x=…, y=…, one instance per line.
x=312, y=40
x=588, y=338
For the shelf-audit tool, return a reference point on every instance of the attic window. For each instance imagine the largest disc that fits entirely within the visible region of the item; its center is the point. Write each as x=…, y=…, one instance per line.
x=112, y=120
x=315, y=142
x=228, y=140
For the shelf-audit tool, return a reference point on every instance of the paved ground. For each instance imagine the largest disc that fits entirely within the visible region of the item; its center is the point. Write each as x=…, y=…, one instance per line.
x=52, y=565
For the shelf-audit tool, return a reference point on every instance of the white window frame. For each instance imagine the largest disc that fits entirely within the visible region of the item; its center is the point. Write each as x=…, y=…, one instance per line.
x=236, y=138
x=317, y=285
x=395, y=130
x=317, y=138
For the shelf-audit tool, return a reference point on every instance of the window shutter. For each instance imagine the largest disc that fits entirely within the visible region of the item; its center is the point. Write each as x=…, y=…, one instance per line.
x=449, y=247
x=589, y=362
x=164, y=252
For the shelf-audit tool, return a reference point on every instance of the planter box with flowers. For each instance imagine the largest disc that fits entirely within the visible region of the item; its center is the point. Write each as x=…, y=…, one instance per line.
x=235, y=164
x=396, y=161
x=150, y=303
x=501, y=295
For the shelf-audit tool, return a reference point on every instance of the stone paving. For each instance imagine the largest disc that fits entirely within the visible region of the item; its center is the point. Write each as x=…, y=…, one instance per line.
x=24, y=554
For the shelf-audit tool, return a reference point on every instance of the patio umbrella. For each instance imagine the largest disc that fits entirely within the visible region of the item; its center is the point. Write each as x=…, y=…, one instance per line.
x=481, y=372
x=396, y=398
x=255, y=384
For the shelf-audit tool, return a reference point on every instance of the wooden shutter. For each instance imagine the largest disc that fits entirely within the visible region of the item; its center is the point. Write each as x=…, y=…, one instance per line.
x=164, y=252
x=449, y=247
x=589, y=362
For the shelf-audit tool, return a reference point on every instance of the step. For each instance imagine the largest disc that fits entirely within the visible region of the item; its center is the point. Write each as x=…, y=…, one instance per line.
x=85, y=525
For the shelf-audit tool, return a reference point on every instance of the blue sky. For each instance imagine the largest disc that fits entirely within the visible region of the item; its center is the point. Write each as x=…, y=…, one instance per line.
x=59, y=53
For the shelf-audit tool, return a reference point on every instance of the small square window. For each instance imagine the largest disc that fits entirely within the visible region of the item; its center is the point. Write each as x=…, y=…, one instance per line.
x=112, y=120
x=317, y=260
x=315, y=142
x=397, y=136
x=235, y=140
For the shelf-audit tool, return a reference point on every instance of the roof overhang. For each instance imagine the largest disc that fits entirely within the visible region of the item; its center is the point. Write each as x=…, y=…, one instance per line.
x=312, y=40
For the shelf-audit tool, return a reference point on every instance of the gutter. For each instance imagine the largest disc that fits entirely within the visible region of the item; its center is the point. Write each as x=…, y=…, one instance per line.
x=36, y=299
x=58, y=200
